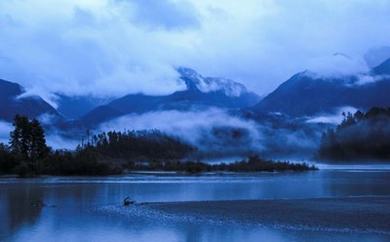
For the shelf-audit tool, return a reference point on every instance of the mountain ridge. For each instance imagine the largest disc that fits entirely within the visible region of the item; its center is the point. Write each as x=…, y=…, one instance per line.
x=13, y=103
x=305, y=94
x=201, y=93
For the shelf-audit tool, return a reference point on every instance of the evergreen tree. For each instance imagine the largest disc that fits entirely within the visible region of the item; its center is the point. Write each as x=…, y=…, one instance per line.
x=20, y=137
x=7, y=162
x=28, y=143
x=38, y=149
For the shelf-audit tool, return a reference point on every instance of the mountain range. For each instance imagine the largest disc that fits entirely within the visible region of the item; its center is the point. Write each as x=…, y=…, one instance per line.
x=304, y=94
x=201, y=93
x=86, y=111
x=74, y=107
x=307, y=93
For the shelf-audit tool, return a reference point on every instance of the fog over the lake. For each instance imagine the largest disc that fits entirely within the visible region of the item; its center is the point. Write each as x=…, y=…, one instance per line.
x=218, y=133
x=195, y=127
x=115, y=47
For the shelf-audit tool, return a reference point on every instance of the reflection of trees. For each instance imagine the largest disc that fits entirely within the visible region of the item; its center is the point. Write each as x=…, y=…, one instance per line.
x=20, y=204
x=19, y=208
x=357, y=183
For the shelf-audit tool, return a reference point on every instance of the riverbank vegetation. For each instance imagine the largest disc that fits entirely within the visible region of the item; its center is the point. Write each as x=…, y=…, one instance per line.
x=114, y=153
x=251, y=164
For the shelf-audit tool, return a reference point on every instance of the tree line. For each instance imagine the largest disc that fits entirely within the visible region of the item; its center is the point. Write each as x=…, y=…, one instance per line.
x=360, y=136
x=27, y=147
x=138, y=145
x=27, y=154
x=252, y=163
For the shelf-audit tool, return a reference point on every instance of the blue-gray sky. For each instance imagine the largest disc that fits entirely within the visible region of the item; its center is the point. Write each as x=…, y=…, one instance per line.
x=114, y=47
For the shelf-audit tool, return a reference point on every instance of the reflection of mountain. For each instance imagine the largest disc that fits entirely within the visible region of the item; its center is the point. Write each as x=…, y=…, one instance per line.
x=308, y=94
x=202, y=92
x=13, y=102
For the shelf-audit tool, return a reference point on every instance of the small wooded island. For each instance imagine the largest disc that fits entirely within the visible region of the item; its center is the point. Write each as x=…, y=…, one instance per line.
x=114, y=153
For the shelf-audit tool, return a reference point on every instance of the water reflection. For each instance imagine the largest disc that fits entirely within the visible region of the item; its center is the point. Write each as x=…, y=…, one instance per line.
x=71, y=204
x=353, y=183
x=19, y=207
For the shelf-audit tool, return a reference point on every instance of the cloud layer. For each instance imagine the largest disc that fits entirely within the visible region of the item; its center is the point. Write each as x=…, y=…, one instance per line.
x=114, y=47
x=218, y=134
x=195, y=127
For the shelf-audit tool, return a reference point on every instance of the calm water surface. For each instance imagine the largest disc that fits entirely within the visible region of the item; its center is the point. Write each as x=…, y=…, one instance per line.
x=74, y=206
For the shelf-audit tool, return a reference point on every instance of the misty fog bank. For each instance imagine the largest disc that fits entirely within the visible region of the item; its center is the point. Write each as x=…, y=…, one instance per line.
x=218, y=133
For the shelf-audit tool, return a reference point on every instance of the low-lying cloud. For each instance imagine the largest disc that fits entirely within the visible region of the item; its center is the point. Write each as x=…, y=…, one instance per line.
x=57, y=141
x=53, y=139
x=332, y=118
x=215, y=132
x=219, y=134
x=196, y=127
x=338, y=65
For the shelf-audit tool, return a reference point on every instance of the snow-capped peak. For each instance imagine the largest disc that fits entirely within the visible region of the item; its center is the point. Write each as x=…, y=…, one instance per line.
x=195, y=81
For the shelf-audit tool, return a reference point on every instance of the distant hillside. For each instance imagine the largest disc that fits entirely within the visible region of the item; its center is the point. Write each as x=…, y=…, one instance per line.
x=307, y=94
x=382, y=69
x=202, y=92
x=12, y=104
x=73, y=107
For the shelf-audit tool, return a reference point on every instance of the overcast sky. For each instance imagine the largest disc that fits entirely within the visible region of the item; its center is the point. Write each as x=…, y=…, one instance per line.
x=114, y=47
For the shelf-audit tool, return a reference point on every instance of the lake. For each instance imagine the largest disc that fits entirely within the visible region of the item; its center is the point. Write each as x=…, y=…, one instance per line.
x=89, y=208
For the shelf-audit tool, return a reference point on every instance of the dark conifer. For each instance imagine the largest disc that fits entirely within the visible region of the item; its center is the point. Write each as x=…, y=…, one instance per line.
x=28, y=143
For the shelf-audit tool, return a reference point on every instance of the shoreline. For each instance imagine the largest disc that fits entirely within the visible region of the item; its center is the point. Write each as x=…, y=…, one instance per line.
x=363, y=214
x=321, y=167
x=162, y=173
